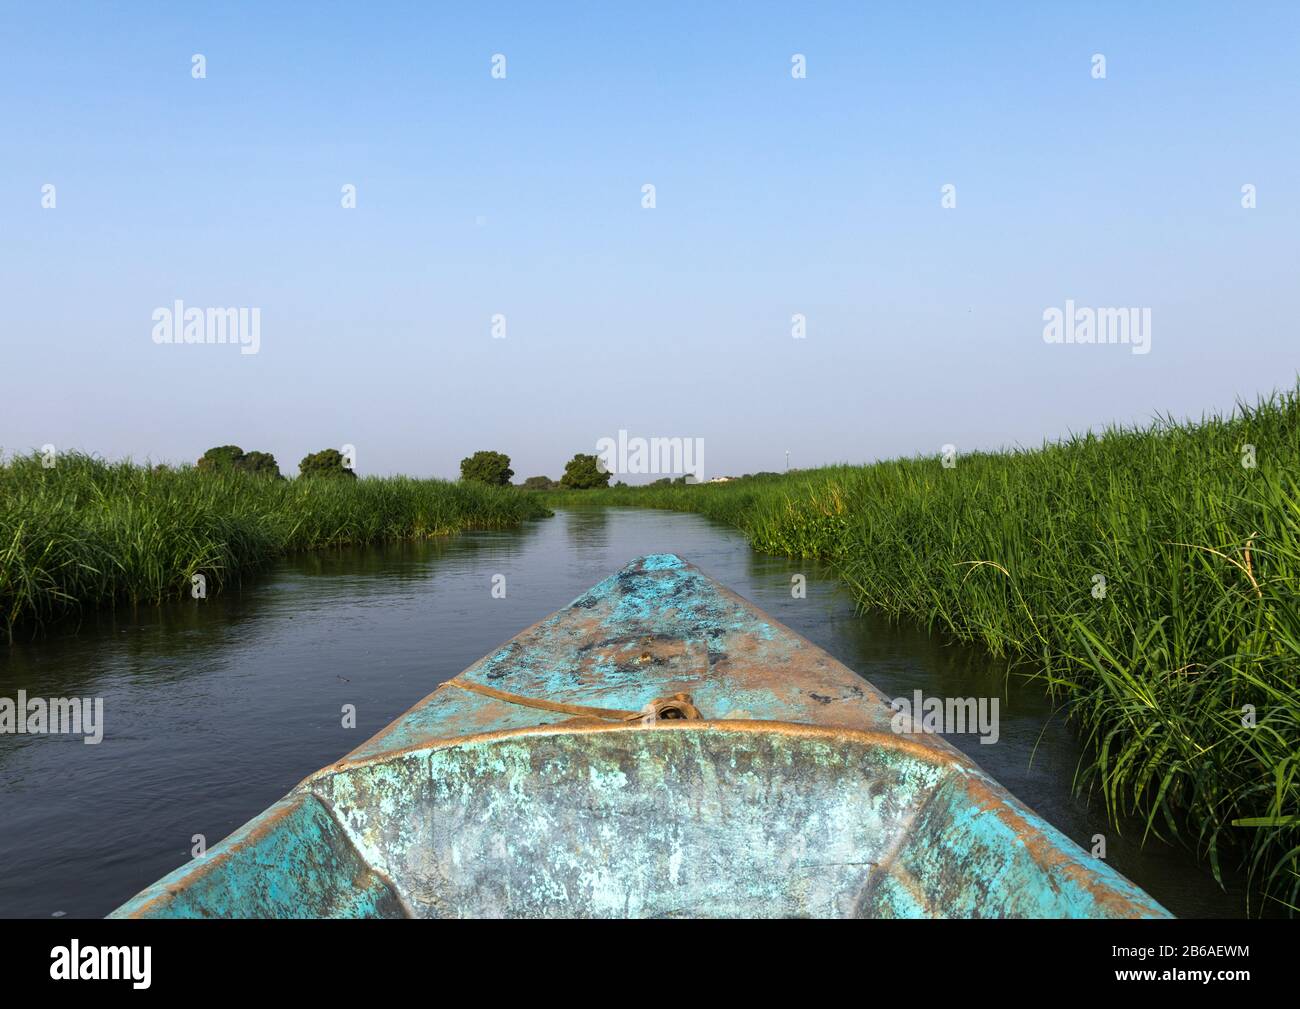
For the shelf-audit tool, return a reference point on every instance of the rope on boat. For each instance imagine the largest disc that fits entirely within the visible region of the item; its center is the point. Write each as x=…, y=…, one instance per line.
x=677, y=706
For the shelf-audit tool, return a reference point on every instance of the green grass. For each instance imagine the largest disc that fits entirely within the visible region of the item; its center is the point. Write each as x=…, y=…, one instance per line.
x=86, y=533
x=1201, y=614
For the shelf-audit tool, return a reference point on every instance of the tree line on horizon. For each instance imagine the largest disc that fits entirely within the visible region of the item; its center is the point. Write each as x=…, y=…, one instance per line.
x=329, y=462
x=582, y=472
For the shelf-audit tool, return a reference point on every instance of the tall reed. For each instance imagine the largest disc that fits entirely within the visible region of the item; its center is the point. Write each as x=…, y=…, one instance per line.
x=86, y=533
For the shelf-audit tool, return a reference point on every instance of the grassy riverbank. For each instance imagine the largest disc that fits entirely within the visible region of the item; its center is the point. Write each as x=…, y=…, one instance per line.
x=86, y=533
x=1198, y=625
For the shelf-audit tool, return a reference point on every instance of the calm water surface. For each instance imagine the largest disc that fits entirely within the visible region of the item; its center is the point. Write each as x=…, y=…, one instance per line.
x=214, y=709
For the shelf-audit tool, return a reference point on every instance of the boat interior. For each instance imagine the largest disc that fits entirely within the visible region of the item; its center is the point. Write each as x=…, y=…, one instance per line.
x=687, y=819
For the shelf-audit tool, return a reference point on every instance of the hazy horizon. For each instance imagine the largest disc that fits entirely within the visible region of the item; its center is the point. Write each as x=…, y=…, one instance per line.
x=288, y=463
x=775, y=196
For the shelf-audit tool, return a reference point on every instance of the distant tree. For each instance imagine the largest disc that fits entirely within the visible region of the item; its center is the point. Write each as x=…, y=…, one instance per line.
x=223, y=457
x=582, y=472
x=663, y=481
x=259, y=464
x=539, y=483
x=620, y=483
x=487, y=467
x=327, y=462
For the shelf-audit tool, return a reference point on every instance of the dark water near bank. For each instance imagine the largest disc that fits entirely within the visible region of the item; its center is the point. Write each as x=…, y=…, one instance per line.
x=214, y=709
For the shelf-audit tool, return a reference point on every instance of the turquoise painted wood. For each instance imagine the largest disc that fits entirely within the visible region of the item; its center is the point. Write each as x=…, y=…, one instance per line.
x=790, y=796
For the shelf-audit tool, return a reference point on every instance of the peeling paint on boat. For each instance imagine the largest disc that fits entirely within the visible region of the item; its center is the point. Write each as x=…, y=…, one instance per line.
x=791, y=796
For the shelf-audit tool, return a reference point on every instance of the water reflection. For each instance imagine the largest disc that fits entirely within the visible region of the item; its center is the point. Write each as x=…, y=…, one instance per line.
x=215, y=708
x=588, y=531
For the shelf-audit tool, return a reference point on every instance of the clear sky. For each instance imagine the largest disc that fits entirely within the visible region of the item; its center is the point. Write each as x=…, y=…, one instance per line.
x=523, y=196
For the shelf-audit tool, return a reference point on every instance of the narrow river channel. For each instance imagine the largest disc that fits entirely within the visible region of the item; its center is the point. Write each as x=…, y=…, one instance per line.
x=213, y=709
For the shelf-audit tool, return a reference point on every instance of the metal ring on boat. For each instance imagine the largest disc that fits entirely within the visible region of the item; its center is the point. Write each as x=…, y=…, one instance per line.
x=675, y=708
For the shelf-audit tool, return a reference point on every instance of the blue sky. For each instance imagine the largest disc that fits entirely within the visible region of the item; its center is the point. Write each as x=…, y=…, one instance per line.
x=522, y=196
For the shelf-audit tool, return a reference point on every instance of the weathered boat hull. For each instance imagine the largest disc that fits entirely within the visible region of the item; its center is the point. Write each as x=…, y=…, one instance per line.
x=790, y=796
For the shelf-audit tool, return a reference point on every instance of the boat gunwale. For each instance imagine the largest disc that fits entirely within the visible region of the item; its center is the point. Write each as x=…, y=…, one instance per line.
x=914, y=746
